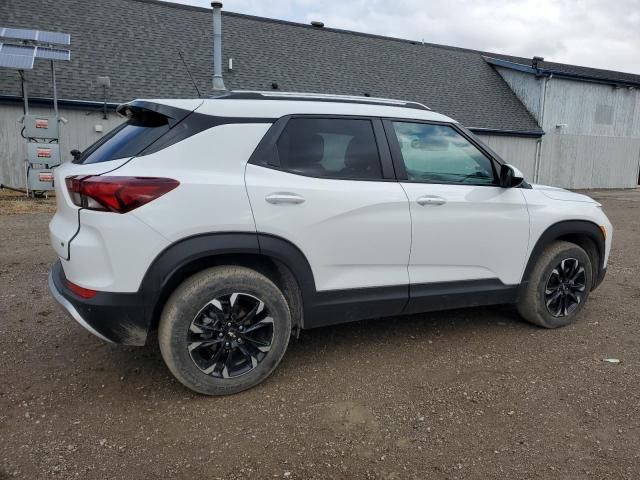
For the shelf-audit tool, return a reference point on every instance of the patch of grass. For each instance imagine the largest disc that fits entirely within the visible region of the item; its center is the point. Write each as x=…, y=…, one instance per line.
x=16, y=203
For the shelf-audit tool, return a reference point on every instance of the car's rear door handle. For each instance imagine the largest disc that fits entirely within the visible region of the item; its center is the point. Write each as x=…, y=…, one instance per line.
x=284, y=197
x=431, y=200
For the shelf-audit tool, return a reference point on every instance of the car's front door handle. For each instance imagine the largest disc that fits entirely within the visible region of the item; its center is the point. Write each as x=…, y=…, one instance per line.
x=284, y=197
x=430, y=200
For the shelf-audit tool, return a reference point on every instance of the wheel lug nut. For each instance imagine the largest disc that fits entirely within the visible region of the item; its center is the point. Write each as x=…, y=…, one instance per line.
x=227, y=344
x=228, y=324
x=239, y=340
x=221, y=335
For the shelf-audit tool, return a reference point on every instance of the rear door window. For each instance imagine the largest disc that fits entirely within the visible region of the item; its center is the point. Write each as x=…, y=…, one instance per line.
x=330, y=148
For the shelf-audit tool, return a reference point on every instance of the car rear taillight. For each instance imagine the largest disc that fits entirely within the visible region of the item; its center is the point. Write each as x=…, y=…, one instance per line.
x=116, y=194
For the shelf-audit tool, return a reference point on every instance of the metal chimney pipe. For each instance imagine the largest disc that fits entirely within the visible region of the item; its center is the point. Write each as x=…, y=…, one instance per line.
x=218, y=83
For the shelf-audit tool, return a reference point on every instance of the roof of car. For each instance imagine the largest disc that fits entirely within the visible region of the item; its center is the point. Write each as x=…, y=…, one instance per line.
x=317, y=97
x=276, y=106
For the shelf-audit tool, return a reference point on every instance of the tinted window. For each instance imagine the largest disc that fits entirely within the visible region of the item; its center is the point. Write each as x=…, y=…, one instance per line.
x=439, y=154
x=128, y=139
x=333, y=148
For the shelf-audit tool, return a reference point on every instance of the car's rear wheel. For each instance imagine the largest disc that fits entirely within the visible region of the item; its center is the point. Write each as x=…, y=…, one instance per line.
x=558, y=287
x=224, y=330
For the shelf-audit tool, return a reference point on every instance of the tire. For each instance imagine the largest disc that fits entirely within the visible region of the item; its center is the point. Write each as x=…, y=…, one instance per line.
x=550, y=282
x=195, y=316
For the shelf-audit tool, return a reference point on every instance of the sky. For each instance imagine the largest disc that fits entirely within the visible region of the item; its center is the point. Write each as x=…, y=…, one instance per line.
x=594, y=33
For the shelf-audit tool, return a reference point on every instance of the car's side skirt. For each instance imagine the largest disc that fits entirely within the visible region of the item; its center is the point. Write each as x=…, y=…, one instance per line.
x=342, y=306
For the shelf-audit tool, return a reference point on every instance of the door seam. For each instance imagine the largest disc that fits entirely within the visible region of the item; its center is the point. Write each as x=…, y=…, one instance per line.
x=410, y=248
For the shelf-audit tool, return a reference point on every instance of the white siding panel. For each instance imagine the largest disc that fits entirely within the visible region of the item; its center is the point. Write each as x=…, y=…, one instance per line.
x=518, y=151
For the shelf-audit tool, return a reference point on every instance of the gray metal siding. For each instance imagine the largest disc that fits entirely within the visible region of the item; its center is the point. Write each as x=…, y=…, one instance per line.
x=527, y=88
x=518, y=151
x=78, y=133
x=592, y=130
x=585, y=161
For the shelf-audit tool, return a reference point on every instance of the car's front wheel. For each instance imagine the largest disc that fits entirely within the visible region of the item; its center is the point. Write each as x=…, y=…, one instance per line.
x=558, y=286
x=224, y=330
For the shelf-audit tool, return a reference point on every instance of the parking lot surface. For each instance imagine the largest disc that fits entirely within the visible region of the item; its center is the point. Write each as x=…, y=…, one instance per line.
x=471, y=393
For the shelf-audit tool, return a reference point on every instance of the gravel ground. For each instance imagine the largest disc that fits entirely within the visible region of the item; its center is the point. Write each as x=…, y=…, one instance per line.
x=463, y=394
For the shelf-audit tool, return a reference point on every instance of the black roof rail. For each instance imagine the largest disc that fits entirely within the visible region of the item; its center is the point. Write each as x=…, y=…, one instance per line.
x=316, y=97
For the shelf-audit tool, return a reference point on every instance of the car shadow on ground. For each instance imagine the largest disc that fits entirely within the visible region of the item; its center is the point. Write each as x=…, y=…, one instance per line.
x=336, y=345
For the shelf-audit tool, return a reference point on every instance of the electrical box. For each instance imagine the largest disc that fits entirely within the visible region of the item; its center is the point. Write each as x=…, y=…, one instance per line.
x=40, y=179
x=40, y=126
x=43, y=154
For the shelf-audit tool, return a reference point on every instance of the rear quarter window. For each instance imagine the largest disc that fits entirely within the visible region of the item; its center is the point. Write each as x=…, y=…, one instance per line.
x=127, y=140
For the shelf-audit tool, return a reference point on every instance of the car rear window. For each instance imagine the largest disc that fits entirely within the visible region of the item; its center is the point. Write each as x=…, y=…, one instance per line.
x=129, y=139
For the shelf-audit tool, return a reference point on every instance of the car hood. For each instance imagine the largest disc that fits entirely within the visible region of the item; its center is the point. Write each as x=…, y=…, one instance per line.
x=556, y=193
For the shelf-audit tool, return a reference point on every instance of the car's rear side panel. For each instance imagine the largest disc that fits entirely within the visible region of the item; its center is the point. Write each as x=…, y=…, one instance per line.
x=210, y=168
x=111, y=252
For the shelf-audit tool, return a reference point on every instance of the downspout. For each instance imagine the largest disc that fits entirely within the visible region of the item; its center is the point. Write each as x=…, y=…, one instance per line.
x=218, y=83
x=541, y=109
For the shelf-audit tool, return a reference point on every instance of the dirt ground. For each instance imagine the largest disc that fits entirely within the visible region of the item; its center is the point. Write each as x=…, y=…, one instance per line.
x=464, y=394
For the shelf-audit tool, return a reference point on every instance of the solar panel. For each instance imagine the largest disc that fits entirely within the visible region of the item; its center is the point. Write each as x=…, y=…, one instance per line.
x=19, y=33
x=26, y=50
x=54, y=37
x=58, y=38
x=53, y=53
x=21, y=62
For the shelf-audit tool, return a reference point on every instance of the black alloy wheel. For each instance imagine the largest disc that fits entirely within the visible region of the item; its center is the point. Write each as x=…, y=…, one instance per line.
x=565, y=287
x=230, y=335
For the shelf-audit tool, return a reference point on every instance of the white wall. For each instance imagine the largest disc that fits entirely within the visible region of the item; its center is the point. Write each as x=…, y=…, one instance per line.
x=78, y=133
x=599, y=144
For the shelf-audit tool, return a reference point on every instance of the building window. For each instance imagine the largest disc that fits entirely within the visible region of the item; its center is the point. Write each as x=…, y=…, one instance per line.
x=604, y=114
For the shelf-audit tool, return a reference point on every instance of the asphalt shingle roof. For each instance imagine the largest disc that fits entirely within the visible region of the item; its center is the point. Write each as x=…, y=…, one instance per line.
x=136, y=43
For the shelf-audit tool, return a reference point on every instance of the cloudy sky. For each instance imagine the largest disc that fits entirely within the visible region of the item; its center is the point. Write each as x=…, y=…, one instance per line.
x=596, y=33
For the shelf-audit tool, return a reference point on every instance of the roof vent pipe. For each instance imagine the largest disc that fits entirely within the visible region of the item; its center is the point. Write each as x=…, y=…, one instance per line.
x=218, y=83
x=535, y=62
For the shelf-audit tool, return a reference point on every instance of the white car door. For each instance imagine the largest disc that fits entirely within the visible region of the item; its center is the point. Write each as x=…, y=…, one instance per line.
x=324, y=189
x=465, y=226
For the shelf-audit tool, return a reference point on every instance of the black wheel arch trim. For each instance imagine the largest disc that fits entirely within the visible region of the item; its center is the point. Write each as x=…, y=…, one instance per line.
x=564, y=229
x=200, y=247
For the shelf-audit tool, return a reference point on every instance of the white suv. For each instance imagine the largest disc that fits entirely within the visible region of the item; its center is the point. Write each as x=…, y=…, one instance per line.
x=233, y=222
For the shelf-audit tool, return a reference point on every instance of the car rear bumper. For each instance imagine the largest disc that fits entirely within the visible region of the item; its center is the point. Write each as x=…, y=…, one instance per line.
x=112, y=317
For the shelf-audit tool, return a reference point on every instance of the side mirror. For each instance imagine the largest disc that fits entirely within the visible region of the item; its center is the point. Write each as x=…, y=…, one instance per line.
x=510, y=176
x=76, y=154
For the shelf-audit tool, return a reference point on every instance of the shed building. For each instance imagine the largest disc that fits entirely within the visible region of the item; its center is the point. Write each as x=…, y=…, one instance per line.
x=563, y=125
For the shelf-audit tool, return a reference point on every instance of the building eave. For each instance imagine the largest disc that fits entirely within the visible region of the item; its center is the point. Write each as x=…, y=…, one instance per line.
x=507, y=133
x=546, y=72
x=63, y=102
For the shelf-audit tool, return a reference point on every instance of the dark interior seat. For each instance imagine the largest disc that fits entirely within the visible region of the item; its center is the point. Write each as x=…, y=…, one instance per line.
x=361, y=159
x=305, y=154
